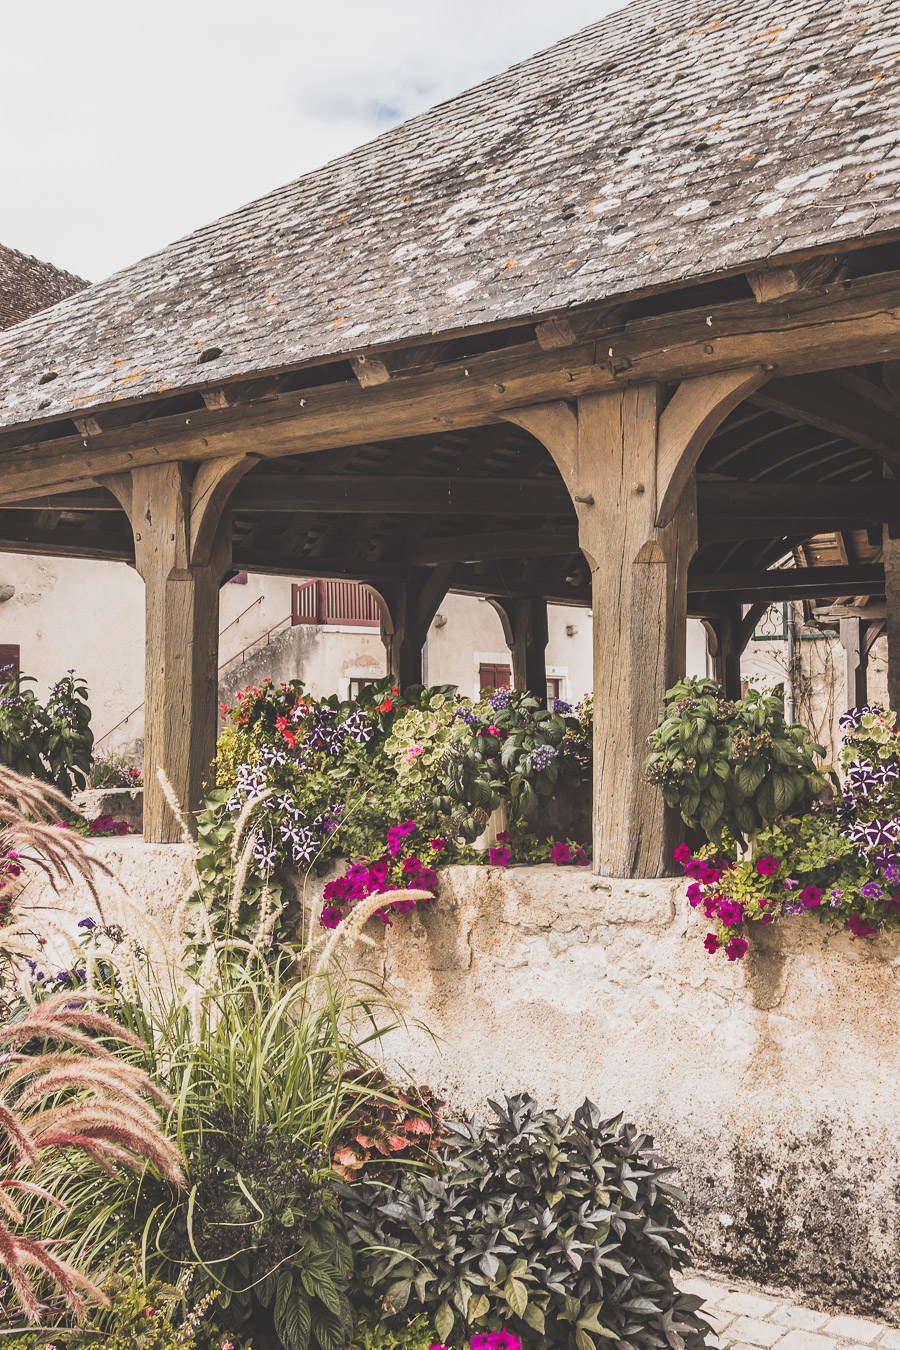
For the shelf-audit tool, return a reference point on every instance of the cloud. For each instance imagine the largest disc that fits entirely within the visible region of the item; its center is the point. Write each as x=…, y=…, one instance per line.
x=126, y=126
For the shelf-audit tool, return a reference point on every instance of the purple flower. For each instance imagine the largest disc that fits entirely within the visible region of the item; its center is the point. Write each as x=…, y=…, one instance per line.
x=871, y=890
x=500, y=699
x=87, y=923
x=560, y=706
x=835, y=896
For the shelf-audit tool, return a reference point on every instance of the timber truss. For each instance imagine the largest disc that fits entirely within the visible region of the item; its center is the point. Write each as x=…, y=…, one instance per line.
x=695, y=451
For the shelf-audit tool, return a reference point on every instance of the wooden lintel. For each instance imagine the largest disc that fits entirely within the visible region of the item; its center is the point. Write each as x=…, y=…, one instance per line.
x=856, y=323
x=63, y=542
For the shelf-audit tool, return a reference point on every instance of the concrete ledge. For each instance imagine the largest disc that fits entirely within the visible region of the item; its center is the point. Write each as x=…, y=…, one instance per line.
x=121, y=803
x=772, y=1082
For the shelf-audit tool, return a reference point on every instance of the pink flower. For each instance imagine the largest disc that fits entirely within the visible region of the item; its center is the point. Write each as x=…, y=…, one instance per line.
x=438, y=844
x=790, y=884
x=500, y=856
x=581, y=858
x=859, y=927
x=413, y=753
x=811, y=895
x=736, y=949
x=711, y=943
x=494, y=731
x=560, y=853
x=682, y=854
x=330, y=917
x=730, y=913
x=694, y=894
x=767, y=867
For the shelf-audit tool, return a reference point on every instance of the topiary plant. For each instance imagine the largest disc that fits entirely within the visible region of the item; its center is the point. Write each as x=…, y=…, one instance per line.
x=563, y=1229
x=734, y=766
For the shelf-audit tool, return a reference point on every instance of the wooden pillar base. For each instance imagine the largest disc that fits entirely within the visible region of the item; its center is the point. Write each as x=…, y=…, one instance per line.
x=727, y=659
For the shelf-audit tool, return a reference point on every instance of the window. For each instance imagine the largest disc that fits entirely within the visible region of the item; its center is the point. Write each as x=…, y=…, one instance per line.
x=491, y=676
x=9, y=662
x=554, y=690
x=357, y=686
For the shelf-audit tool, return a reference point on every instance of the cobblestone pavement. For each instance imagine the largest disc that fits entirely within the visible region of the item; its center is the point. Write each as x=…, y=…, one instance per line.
x=747, y=1318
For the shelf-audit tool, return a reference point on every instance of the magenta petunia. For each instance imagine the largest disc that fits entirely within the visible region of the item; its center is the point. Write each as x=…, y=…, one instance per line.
x=768, y=866
x=736, y=949
x=500, y=857
x=682, y=854
x=811, y=896
x=330, y=917
x=711, y=943
x=730, y=913
x=560, y=853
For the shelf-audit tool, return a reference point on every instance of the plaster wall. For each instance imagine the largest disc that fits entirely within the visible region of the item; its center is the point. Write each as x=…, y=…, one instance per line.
x=771, y=1083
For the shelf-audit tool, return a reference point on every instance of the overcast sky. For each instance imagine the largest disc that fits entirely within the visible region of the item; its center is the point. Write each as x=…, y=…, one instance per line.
x=126, y=126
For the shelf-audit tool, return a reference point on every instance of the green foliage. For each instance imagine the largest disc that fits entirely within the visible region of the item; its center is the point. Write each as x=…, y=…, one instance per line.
x=731, y=766
x=110, y=770
x=563, y=1229
x=263, y=1066
x=507, y=747
x=374, y=1333
x=340, y=776
x=50, y=741
x=140, y=1316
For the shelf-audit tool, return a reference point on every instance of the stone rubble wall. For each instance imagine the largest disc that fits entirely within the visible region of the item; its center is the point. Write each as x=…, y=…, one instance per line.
x=771, y=1083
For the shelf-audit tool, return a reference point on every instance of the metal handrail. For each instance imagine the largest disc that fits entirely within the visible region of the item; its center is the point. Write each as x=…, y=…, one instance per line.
x=231, y=660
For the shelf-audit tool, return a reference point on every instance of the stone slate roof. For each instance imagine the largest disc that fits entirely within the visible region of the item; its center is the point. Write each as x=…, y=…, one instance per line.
x=28, y=285
x=669, y=141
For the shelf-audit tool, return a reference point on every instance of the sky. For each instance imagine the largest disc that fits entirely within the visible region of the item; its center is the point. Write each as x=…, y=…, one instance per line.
x=126, y=126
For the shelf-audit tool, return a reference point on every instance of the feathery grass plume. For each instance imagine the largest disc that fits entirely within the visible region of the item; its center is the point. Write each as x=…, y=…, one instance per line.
x=29, y=816
x=350, y=931
x=177, y=810
x=82, y=1098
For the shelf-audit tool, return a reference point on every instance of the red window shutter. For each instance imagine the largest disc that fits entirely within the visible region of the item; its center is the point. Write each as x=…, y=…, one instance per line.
x=492, y=676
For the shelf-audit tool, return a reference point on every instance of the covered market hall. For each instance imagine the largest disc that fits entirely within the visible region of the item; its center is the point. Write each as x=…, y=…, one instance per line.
x=617, y=327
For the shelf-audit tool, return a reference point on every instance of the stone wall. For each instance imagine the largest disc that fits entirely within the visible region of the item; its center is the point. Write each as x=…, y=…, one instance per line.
x=771, y=1083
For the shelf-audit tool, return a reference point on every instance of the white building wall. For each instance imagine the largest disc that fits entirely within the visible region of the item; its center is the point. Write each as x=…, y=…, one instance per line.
x=89, y=616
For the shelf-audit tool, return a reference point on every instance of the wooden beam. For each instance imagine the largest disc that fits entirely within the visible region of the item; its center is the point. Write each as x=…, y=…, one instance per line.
x=877, y=500
x=779, y=282
x=855, y=323
x=98, y=499
x=500, y=544
x=412, y=494
x=103, y=546
x=819, y=402
x=789, y=583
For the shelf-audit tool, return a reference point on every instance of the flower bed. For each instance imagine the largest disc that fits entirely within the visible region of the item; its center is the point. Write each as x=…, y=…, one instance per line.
x=783, y=836
x=398, y=783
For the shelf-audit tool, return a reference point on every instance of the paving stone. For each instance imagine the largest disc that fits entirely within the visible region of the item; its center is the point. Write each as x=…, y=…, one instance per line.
x=853, y=1329
x=756, y=1332
x=749, y=1305
x=705, y=1289
x=890, y=1340
x=806, y=1340
x=805, y=1319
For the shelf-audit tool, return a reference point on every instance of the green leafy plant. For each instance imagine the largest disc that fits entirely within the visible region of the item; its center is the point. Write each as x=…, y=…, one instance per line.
x=264, y=1064
x=140, y=1316
x=563, y=1228
x=374, y=1333
x=50, y=741
x=731, y=766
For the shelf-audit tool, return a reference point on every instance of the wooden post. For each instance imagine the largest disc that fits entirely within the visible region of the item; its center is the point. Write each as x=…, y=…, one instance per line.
x=407, y=610
x=524, y=622
x=624, y=460
x=891, y=555
x=856, y=662
x=182, y=543
x=727, y=659
x=182, y=643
